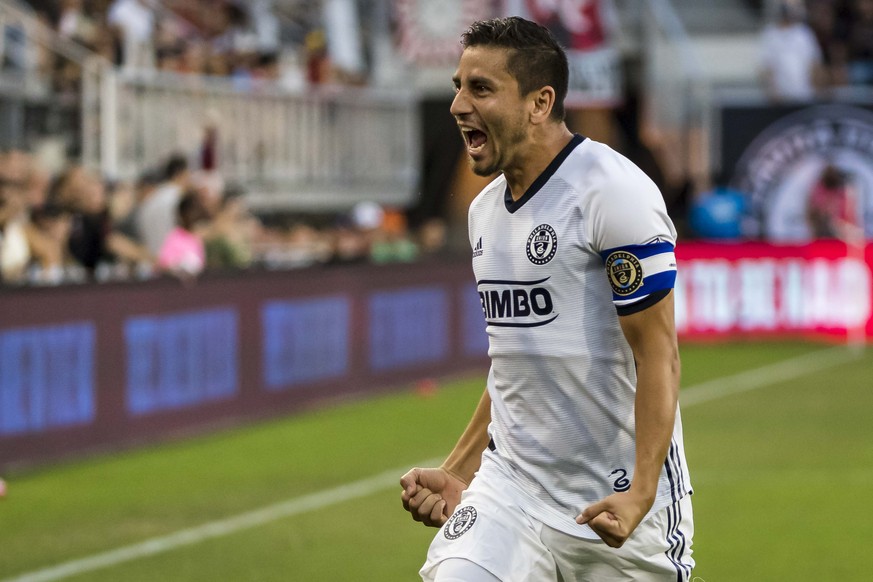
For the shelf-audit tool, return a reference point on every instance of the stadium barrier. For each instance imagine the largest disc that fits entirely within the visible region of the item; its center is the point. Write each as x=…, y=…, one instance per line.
x=97, y=367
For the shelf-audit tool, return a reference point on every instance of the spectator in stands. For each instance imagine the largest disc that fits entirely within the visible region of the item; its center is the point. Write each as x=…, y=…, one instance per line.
x=156, y=216
x=52, y=225
x=37, y=183
x=26, y=250
x=264, y=24
x=75, y=23
x=718, y=214
x=171, y=58
x=791, y=59
x=266, y=67
x=125, y=203
x=93, y=237
x=831, y=209
x=318, y=67
x=348, y=243
x=22, y=169
x=14, y=246
x=122, y=206
x=235, y=37
x=135, y=21
x=391, y=242
x=183, y=253
x=432, y=236
x=195, y=58
x=229, y=238
x=859, y=43
x=830, y=31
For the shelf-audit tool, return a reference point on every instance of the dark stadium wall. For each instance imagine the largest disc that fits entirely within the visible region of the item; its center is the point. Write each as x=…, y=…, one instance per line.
x=774, y=155
x=101, y=367
x=441, y=147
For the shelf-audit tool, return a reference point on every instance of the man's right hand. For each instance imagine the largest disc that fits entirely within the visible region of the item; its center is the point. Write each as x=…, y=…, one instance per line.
x=431, y=495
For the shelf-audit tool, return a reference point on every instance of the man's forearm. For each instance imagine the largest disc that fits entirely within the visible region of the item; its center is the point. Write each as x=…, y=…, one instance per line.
x=655, y=414
x=464, y=460
x=651, y=334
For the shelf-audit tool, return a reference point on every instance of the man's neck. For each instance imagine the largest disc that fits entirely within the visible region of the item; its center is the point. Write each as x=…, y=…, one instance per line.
x=535, y=158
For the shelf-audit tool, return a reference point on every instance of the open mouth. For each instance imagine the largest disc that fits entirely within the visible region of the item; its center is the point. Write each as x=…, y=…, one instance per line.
x=476, y=140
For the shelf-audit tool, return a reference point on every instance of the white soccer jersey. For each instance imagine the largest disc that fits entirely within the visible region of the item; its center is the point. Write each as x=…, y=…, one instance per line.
x=590, y=238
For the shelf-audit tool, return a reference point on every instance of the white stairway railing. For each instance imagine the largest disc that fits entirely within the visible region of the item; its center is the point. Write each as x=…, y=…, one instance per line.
x=308, y=150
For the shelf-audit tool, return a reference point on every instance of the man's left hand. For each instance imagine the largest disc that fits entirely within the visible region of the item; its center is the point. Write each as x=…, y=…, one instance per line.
x=614, y=518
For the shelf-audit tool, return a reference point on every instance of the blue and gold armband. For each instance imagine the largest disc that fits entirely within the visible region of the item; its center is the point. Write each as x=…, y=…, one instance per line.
x=640, y=275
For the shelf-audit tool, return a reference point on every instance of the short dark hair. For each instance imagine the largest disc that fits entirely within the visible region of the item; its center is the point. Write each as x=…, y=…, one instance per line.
x=535, y=58
x=176, y=164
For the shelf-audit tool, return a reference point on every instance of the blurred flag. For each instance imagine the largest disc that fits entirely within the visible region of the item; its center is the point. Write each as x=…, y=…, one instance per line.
x=430, y=32
x=585, y=29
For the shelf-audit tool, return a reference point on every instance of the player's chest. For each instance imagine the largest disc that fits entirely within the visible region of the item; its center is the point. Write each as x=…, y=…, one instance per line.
x=527, y=245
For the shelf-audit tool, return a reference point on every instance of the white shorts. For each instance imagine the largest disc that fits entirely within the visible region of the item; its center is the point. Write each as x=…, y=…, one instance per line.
x=490, y=529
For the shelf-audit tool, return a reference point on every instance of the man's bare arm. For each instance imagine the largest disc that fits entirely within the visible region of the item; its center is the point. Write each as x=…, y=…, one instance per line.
x=651, y=334
x=464, y=460
x=431, y=495
x=652, y=337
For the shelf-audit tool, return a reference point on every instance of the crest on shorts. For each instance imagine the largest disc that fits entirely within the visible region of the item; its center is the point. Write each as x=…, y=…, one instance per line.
x=460, y=522
x=542, y=244
x=625, y=272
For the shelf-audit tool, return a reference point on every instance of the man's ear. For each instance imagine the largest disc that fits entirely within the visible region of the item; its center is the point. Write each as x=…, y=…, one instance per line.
x=542, y=102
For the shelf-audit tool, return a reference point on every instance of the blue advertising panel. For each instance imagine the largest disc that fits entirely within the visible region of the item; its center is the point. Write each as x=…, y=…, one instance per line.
x=46, y=377
x=305, y=340
x=181, y=360
x=408, y=327
x=473, y=322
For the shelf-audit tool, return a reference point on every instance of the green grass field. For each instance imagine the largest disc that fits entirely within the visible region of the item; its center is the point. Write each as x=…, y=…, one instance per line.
x=783, y=475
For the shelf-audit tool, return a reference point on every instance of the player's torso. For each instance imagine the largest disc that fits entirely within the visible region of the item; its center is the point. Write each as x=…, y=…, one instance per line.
x=562, y=380
x=539, y=283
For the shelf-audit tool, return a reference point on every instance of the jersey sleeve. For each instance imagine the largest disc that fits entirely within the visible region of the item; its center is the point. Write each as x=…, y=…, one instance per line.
x=629, y=228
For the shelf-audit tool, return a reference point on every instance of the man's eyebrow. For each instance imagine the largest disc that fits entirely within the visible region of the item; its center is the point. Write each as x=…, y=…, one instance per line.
x=473, y=80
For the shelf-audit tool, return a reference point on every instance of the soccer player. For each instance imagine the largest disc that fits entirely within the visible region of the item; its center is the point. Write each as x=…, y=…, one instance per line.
x=576, y=445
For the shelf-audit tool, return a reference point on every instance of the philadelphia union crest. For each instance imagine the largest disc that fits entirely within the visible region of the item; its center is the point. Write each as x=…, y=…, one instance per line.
x=542, y=244
x=625, y=273
x=460, y=522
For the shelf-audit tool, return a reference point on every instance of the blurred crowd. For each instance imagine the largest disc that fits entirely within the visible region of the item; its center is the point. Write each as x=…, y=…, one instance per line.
x=237, y=39
x=844, y=32
x=816, y=44
x=809, y=51
x=76, y=227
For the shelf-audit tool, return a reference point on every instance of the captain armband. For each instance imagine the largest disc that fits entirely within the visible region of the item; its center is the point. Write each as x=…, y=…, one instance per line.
x=640, y=275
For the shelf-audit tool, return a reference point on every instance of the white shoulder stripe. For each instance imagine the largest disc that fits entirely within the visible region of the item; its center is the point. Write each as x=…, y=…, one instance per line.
x=658, y=263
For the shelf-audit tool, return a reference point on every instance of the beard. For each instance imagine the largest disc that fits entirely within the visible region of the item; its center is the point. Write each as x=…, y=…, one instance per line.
x=511, y=136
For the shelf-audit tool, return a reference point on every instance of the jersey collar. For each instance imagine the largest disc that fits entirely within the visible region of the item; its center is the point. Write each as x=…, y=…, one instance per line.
x=513, y=205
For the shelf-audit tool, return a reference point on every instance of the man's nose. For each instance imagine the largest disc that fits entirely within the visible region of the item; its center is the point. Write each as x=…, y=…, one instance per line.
x=460, y=104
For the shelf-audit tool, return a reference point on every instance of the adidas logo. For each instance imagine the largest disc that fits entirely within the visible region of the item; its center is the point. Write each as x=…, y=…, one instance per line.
x=477, y=250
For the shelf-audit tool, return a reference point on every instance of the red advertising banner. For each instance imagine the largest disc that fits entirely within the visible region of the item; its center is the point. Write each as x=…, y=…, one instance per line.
x=822, y=289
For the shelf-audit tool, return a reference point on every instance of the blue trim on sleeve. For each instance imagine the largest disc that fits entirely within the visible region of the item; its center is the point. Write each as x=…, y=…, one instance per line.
x=641, y=251
x=663, y=281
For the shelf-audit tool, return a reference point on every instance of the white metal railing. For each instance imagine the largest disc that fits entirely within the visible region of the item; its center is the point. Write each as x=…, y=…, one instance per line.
x=318, y=149
x=322, y=149
x=29, y=51
x=33, y=35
